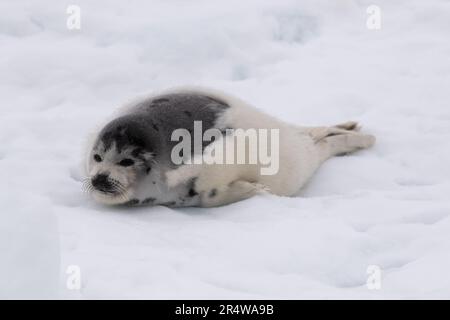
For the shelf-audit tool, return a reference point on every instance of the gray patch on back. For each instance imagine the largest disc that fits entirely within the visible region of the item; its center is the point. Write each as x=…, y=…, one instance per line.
x=169, y=112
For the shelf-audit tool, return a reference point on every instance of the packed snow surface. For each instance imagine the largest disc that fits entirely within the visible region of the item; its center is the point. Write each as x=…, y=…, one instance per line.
x=307, y=62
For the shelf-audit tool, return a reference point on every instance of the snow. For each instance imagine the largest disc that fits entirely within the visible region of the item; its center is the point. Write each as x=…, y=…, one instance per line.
x=308, y=62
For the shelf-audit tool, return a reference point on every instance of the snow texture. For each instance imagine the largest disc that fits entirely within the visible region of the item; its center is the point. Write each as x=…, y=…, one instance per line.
x=308, y=62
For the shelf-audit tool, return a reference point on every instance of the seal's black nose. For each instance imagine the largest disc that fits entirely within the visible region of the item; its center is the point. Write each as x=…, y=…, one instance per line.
x=101, y=182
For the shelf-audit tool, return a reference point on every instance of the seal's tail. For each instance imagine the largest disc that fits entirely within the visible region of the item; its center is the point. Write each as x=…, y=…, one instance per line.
x=340, y=139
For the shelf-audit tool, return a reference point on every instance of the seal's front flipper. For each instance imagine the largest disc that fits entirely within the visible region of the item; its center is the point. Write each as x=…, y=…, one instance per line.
x=234, y=192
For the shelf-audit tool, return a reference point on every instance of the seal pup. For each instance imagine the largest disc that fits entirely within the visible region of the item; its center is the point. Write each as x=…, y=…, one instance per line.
x=131, y=159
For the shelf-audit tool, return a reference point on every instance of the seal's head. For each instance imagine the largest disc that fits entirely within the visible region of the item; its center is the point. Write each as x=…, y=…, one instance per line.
x=122, y=154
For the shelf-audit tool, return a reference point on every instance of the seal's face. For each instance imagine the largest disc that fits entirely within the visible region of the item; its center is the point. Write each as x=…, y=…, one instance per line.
x=119, y=158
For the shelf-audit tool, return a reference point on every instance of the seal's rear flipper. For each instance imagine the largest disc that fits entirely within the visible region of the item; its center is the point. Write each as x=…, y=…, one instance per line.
x=319, y=133
x=349, y=126
x=339, y=139
x=344, y=143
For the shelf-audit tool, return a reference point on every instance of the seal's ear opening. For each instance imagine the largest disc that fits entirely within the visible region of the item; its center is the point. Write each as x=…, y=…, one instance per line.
x=127, y=162
x=142, y=154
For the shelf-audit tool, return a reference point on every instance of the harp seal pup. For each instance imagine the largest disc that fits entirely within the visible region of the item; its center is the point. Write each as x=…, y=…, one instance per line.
x=130, y=159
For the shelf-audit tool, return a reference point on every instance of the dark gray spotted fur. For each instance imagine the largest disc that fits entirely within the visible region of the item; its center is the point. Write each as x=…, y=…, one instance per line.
x=147, y=128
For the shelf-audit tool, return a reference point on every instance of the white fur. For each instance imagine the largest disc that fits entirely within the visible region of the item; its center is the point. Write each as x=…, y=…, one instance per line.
x=125, y=175
x=302, y=150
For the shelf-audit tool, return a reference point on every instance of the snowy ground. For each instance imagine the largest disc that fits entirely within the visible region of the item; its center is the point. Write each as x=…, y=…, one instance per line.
x=309, y=62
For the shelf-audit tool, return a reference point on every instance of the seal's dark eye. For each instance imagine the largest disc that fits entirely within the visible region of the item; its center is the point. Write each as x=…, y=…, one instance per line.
x=126, y=162
x=97, y=158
